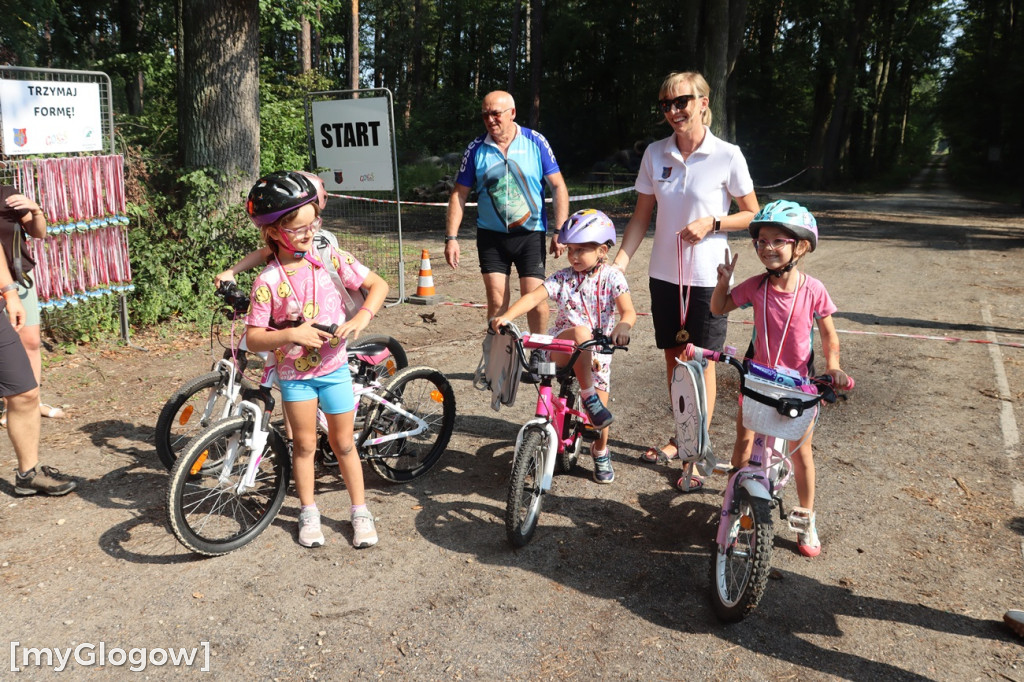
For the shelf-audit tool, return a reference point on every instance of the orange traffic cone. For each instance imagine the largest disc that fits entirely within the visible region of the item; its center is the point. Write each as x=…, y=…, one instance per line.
x=425, y=294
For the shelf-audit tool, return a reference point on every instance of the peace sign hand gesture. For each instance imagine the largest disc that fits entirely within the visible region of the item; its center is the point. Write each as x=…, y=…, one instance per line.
x=725, y=269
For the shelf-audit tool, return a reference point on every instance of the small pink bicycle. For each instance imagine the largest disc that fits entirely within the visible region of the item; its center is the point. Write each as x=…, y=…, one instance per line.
x=778, y=408
x=553, y=436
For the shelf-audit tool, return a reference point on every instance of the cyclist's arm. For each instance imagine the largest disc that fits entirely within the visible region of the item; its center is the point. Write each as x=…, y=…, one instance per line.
x=453, y=219
x=377, y=290
x=260, y=339
x=520, y=307
x=635, y=230
x=249, y=261
x=627, y=318
x=829, y=344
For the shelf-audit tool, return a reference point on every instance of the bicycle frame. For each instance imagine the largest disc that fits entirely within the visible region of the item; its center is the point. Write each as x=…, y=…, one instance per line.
x=552, y=409
x=256, y=441
x=760, y=478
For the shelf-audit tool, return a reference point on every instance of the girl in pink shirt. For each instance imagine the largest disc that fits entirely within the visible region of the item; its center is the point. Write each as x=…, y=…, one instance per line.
x=292, y=293
x=787, y=305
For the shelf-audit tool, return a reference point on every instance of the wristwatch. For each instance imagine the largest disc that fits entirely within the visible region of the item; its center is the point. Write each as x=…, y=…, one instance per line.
x=451, y=238
x=718, y=226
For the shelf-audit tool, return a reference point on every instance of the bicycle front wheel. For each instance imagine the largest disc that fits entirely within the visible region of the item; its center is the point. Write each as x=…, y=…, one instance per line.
x=192, y=408
x=426, y=393
x=740, y=574
x=207, y=513
x=522, y=508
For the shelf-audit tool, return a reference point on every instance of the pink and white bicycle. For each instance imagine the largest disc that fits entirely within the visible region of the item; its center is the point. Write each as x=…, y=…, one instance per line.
x=779, y=408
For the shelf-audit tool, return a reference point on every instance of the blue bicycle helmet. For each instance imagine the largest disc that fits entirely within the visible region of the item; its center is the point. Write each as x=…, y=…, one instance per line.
x=588, y=226
x=278, y=194
x=789, y=216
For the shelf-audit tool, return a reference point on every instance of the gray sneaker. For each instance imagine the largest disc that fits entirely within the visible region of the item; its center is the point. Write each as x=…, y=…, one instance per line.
x=43, y=479
x=310, y=534
x=603, y=472
x=364, y=531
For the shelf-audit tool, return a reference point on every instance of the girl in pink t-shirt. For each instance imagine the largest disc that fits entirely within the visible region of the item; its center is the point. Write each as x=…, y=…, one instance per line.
x=787, y=304
x=292, y=293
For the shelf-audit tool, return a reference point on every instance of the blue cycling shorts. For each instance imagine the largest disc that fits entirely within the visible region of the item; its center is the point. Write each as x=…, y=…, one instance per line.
x=334, y=391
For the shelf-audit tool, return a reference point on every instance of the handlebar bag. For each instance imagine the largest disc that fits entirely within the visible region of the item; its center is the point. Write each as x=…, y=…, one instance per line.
x=689, y=407
x=502, y=370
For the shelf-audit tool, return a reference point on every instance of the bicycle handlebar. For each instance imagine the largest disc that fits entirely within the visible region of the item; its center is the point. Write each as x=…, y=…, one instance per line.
x=692, y=351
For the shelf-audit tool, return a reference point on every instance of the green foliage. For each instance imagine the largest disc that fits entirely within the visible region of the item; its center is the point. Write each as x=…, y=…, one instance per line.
x=283, y=142
x=177, y=251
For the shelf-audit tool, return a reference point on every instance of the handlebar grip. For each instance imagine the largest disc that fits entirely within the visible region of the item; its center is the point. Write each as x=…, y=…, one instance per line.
x=849, y=386
x=330, y=329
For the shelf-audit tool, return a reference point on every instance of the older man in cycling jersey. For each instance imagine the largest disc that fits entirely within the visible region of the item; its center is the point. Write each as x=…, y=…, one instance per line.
x=507, y=166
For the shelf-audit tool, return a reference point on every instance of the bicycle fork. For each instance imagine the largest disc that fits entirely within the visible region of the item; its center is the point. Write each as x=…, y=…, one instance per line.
x=256, y=442
x=550, y=451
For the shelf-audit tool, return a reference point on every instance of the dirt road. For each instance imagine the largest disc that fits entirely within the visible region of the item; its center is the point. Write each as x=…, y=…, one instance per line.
x=919, y=505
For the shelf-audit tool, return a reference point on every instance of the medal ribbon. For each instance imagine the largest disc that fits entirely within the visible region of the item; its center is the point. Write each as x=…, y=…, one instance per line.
x=785, y=330
x=684, y=301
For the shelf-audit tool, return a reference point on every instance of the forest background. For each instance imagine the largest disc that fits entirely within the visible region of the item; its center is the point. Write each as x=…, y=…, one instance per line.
x=209, y=94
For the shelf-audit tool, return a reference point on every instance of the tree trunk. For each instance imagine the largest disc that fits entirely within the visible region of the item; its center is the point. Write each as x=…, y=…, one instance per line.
x=837, y=137
x=513, y=45
x=536, y=65
x=219, y=113
x=353, y=55
x=130, y=20
x=305, y=46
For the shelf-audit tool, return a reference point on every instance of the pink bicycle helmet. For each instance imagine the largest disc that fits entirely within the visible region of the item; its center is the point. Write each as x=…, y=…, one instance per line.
x=588, y=226
x=321, y=191
x=790, y=216
x=277, y=194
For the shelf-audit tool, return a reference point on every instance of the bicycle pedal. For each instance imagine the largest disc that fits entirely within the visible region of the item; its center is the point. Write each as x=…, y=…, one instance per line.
x=799, y=519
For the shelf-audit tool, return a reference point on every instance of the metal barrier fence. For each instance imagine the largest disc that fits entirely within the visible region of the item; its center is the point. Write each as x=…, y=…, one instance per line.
x=370, y=227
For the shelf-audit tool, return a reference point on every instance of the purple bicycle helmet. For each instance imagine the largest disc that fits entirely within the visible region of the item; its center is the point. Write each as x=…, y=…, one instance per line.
x=586, y=227
x=791, y=217
x=277, y=194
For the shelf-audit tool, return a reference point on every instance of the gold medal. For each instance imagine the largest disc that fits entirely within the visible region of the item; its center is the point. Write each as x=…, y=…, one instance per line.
x=682, y=336
x=313, y=357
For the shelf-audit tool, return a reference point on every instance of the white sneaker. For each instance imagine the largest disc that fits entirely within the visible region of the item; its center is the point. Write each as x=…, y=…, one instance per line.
x=364, y=531
x=310, y=534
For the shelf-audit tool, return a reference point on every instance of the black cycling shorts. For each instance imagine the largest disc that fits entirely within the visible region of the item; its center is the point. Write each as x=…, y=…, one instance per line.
x=16, y=375
x=499, y=251
x=706, y=330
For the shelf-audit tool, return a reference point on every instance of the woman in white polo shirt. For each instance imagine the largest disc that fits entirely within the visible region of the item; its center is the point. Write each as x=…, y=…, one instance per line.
x=693, y=177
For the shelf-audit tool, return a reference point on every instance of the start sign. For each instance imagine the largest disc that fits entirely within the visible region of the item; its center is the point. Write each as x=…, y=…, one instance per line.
x=352, y=139
x=47, y=117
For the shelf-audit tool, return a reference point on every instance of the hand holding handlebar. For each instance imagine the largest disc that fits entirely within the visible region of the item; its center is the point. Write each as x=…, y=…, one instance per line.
x=837, y=378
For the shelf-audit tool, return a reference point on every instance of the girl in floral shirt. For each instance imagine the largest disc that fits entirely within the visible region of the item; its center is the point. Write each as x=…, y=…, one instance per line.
x=588, y=293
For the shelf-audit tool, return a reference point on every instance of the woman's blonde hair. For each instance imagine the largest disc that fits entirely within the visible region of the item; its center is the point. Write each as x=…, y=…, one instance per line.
x=697, y=84
x=287, y=217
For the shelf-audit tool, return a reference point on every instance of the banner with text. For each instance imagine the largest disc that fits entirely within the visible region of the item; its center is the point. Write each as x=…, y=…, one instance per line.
x=47, y=117
x=352, y=140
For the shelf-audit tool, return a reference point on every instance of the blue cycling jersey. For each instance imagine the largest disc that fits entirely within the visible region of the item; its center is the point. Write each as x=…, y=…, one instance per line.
x=510, y=189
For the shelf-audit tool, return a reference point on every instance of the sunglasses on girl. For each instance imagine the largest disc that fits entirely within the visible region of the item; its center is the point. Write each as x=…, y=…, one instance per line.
x=679, y=102
x=296, y=231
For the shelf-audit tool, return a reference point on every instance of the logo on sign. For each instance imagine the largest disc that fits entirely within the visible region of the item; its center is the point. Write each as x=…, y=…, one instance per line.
x=21, y=136
x=339, y=177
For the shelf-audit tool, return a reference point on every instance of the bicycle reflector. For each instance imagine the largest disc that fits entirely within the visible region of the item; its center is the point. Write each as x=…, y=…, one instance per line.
x=200, y=460
x=436, y=396
x=186, y=414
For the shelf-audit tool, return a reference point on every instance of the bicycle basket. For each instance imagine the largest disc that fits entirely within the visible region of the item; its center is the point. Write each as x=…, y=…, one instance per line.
x=765, y=419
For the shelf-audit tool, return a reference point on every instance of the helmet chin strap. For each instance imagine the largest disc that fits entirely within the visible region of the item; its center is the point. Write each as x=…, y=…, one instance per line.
x=783, y=270
x=295, y=252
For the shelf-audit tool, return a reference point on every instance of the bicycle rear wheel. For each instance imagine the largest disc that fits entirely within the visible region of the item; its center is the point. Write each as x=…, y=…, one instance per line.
x=522, y=507
x=192, y=408
x=425, y=392
x=398, y=360
x=207, y=514
x=740, y=574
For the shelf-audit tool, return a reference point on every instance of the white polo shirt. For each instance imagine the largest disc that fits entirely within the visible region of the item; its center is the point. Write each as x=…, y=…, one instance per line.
x=702, y=185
